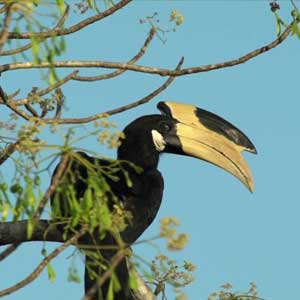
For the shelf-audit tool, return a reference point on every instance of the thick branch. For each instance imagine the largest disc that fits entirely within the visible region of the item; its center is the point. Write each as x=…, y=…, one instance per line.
x=72, y=29
x=149, y=70
x=16, y=232
x=43, y=264
x=44, y=230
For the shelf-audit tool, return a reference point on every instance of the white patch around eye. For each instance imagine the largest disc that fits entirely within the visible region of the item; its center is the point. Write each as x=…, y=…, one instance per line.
x=158, y=140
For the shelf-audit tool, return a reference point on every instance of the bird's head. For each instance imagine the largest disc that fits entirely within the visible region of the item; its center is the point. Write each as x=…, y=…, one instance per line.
x=188, y=130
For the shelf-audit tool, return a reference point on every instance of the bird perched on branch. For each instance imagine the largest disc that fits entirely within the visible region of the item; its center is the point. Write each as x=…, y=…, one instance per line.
x=181, y=129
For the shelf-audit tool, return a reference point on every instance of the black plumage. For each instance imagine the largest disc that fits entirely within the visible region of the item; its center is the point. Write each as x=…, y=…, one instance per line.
x=180, y=130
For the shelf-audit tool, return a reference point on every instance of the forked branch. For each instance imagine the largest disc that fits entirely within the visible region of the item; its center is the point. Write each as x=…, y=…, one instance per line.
x=73, y=28
x=150, y=70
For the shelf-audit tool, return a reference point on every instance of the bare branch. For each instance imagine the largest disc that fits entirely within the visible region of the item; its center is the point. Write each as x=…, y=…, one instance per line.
x=31, y=110
x=110, y=112
x=16, y=50
x=116, y=260
x=3, y=96
x=10, y=249
x=119, y=72
x=18, y=111
x=51, y=189
x=149, y=70
x=71, y=29
x=62, y=20
x=43, y=264
x=48, y=89
x=147, y=98
x=29, y=45
x=7, y=152
x=7, y=19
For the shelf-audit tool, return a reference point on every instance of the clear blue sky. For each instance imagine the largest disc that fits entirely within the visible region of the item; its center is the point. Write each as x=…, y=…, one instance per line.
x=235, y=236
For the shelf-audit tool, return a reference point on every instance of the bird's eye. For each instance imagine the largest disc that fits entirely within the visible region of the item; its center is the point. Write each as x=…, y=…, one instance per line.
x=165, y=127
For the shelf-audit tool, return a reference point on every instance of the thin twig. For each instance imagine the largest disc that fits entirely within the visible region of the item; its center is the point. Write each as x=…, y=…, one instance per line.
x=105, y=276
x=49, y=89
x=3, y=96
x=119, y=72
x=73, y=28
x=7, y=152
x=51, y=189
x=31, y=110
x=149, y=70
x=36, y=272
x=16, y=50
x=5, y=31
x=18, y=111
x=10, y=249
x=62, y=20
x=59, y=24
x=116, y=110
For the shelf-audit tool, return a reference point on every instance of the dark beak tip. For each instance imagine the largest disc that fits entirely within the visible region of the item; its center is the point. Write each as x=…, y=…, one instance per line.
x=253, y=150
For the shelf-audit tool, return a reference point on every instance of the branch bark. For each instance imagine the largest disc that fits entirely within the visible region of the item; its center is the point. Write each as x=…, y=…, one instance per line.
x=150, y=70
x=7, y=19
x=37, y=271
x=119, y=72
x=141, y=101
x=71, y=29
x=23, y=48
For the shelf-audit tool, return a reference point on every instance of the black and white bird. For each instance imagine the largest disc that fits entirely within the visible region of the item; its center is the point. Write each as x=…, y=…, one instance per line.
x=181, y=129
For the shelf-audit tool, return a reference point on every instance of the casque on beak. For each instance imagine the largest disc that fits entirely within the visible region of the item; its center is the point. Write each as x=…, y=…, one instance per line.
x=206, y=136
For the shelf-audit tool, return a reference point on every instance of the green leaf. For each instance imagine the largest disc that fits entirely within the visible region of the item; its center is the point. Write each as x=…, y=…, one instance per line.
x=61, y=6
x=110, y=292
x=30, y=227
x=51, y=273
x=133, y=282
x=295, y=29
x=105, y=217
x=116, y=283
x=127, y=178
x=90, y=3
x=35, y=49
x=278, y=25
x=88, y=200
x=62, y=44
x=73, y=275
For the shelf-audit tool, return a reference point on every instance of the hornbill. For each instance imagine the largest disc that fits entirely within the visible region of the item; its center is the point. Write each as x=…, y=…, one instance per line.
x=181, y=129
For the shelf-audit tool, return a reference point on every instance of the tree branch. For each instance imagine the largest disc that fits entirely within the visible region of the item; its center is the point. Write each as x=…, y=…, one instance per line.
x=43, y=264
x=149, y=70
x=44, y=230
x=51, y=189
x=16, y=50
x=16, y=232
x=119, y=72
x=109, y=112
x=49, y=89
x=115, y=261
x=7, y=152
x=5, y=31
x=59, y=24
x=71, y=29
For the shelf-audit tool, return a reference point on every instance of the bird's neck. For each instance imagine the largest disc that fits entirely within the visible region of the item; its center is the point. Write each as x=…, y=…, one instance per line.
x=139, y=151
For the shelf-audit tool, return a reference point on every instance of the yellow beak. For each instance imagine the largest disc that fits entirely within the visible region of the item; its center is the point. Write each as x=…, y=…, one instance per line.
x=208, y=137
